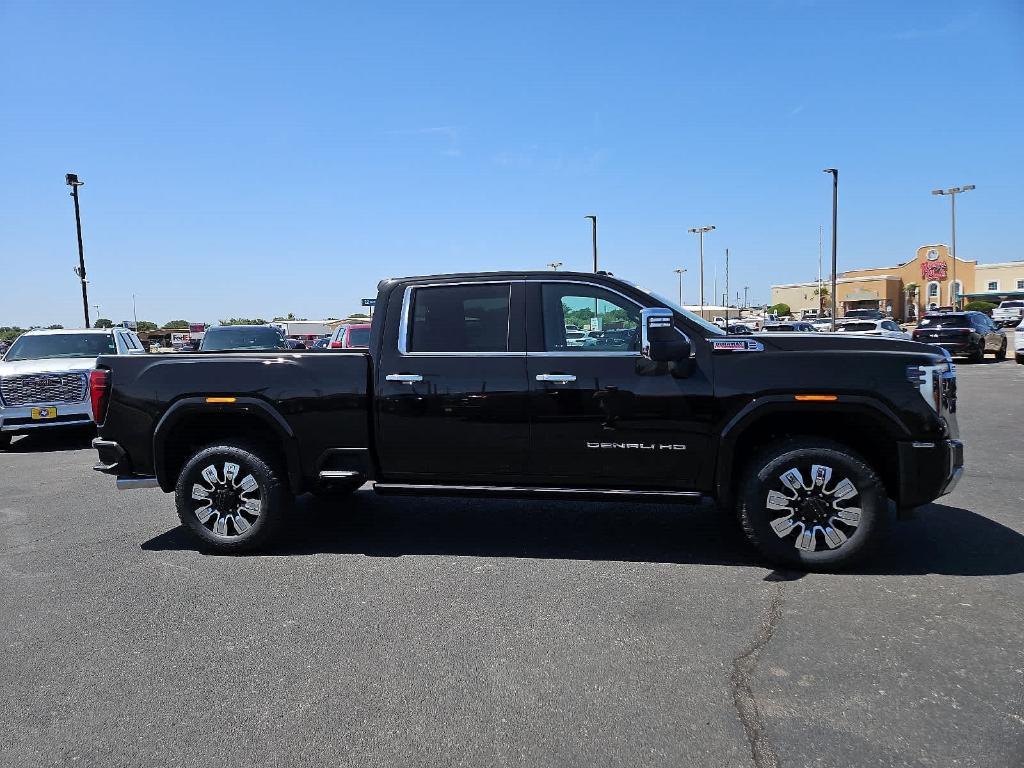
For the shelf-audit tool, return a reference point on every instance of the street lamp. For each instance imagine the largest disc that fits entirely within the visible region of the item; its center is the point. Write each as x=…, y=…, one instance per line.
x=700, y=231
x=593, y=220
x=554, y=265
x=680, y=272
x=71, y=179
x=953, y=192
x=835, y=220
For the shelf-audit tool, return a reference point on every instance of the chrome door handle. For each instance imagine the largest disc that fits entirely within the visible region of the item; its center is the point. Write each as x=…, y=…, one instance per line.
x=556, y=377
x=405, y=378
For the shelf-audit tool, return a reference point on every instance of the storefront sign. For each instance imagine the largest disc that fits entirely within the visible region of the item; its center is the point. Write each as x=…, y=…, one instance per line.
x=933, y=270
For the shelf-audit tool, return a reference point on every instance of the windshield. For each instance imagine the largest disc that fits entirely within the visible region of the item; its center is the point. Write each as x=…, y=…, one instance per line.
x=56, y=345
x=704, y=324
x=945, y=321
x=359, y=337
x=1011, y=304
x=228, y=337
x=854, y=327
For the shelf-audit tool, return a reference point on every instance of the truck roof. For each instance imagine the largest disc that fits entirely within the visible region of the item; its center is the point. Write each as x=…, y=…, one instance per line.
x=59, y=331
x=504, y=275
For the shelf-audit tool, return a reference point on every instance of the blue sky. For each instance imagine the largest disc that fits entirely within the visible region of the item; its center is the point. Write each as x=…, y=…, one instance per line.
x=257, y=159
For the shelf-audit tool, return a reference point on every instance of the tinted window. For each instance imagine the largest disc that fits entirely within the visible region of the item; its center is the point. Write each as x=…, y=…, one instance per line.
x=1013, y=304
x=359, y=337
x=617, y=319
x=225, y=337
x=945, y=321
x=855, y=327
x=62, y=345
x=460, y=318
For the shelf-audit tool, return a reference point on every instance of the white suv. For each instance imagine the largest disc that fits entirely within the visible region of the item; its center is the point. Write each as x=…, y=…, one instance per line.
x=1018, y=342
x=44, y=377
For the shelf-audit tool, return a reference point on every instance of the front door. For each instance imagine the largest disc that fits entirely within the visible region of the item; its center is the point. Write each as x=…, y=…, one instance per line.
x=452, y=394
x=600, y=413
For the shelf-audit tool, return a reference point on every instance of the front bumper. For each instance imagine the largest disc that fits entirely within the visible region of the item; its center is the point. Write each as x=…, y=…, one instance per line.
x=17, y=420
x=928, y=470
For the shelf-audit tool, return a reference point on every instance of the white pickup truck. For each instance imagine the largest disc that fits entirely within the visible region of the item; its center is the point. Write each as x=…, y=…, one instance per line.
x=1008, y=313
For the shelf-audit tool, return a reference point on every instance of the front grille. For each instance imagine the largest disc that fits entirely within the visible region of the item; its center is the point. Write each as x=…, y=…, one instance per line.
x=32, y=388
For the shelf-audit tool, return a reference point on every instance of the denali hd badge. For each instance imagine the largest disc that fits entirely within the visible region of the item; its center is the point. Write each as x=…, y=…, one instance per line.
x=637, y=446
x=736, y=345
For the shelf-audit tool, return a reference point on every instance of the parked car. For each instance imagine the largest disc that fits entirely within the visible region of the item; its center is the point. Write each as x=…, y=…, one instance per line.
x=963, y=333
x=323, y=343
x=351, y=335
x=863, y=314
x=44, y=377
x=295, y=344
x=887, y=328
x=789, y=326
x=1018, y=342
x=252, y=338
x=738, y=329
x=471, y=387
x=1009, y=313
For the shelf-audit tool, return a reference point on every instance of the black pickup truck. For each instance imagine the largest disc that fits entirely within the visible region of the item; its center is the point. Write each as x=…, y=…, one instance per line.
x=472, y=384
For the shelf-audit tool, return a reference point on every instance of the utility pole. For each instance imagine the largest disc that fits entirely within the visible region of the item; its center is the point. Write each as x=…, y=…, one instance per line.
x=700, y=231
x=726, y=302
x=680, y=273
x=953, y=192
x=593, y=221
x=835, y=221
x=71, y=179
x=820, y=302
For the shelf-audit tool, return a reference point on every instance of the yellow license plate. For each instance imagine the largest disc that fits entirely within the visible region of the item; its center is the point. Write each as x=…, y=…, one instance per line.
x=41, y=414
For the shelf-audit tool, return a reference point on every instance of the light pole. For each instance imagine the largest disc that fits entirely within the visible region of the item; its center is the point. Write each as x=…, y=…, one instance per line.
x=700, y=231
x=835, y=221
x=593, y=221
x=135, y=314
x=745, y=289
x=554, y=265
x=71, y=179
x=953, y=192
x=680, y=272
x=726, y=302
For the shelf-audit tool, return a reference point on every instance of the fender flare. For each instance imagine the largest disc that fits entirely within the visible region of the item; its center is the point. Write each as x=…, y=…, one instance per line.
x=761, y=407
x=253, y=406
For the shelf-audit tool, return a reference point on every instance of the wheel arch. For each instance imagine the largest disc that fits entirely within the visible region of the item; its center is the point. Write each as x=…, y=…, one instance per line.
x=855, y=421
x=192, y=422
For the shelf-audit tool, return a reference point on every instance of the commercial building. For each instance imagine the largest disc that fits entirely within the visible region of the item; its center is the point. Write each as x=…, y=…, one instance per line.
x=927, y=281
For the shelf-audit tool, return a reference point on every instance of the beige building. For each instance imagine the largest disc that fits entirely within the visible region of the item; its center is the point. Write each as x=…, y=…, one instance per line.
x=928, y=281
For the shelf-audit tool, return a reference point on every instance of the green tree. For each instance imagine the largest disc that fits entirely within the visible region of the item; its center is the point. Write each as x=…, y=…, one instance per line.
x=244, y=321
x=174, y=325
x=780, y=309
x=980, y=306
x=146, y=326
x=55, y=327
x=103, y=323
x=291, y=316
x=579, y=317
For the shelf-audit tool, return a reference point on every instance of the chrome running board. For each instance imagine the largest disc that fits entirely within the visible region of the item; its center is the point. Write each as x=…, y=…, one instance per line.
x=134, y=483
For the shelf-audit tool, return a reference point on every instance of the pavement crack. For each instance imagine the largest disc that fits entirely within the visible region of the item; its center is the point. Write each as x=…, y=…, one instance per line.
x=743, y=669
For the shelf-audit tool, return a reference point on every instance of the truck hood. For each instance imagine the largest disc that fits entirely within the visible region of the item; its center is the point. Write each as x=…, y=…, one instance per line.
x=54, y=365
x=840, y=342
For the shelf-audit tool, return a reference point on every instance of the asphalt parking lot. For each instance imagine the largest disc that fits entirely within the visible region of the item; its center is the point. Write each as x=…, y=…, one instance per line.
x=391, y=631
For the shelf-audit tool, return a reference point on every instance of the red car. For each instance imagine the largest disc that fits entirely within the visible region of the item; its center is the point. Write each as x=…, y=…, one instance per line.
x=354, y=335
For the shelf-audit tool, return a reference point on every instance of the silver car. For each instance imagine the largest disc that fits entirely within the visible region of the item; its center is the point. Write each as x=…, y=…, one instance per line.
x=44, y=377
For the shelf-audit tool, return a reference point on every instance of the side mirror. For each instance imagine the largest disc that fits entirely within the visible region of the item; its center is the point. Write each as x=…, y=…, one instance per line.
x=659, y=339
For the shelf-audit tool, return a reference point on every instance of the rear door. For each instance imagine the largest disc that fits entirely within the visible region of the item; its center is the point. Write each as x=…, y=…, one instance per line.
x=451, y=384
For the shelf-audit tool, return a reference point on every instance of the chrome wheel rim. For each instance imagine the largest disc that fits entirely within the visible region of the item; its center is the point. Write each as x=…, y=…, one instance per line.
x=227, y=506
x=815, y=517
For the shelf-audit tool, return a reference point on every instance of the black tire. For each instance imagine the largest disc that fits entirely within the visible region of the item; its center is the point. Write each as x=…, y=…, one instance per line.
x=244, y=529
x=1001, y=354
x=835, y=541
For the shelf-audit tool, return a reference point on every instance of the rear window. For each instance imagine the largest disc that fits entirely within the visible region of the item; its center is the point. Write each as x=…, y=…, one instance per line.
x=222, y=338
x=854, y=327
x=62, y=345
x=945, y=321
x=1011, y=305
x=359, y=337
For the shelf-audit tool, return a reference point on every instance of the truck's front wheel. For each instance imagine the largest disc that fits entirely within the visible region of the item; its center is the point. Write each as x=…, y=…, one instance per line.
x=231, y=498
x=811, y=503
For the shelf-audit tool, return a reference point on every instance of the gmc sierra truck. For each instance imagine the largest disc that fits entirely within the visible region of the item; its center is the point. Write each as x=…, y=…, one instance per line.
x=470, y=385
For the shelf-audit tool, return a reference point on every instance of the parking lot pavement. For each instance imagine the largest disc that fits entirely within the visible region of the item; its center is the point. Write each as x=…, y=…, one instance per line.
x=391, y=631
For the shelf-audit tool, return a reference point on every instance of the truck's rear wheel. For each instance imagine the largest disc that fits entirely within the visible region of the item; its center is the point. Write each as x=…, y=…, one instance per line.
x=811, y=503
x=230, y=498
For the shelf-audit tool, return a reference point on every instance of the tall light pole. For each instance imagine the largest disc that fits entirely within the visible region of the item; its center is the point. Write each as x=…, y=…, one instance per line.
x=726, y=302
x=554, y=265
x=135, y=314
x=953, y=192
x=700, y=231
x=835, y=221
x=745, y=289
x=680, y=272
x=593, y=222
x=71, y=179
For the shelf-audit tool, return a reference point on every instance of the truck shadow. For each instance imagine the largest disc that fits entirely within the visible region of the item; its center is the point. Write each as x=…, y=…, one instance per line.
x=50, y=441
x=941, y=540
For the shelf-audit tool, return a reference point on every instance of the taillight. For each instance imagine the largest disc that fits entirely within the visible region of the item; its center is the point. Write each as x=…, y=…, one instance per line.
x=99, y=393
x=335, y=345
